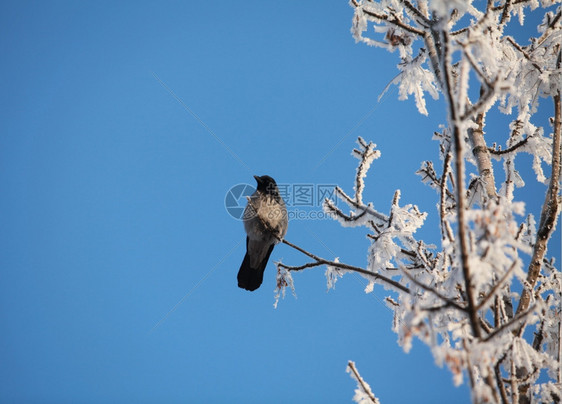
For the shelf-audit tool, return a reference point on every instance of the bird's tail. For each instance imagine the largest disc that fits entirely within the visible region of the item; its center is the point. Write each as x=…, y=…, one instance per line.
x=251, y=278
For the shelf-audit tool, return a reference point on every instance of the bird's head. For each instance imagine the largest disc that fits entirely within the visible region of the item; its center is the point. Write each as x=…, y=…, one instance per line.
x=267, y=185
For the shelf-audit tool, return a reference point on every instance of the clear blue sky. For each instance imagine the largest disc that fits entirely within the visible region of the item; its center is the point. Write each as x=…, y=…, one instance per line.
x=112, y=205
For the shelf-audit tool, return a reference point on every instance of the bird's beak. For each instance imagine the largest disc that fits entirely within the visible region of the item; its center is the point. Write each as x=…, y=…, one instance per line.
x=258, y=179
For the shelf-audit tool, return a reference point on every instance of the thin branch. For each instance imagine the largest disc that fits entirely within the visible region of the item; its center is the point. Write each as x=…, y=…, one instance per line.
x=496, y=287
x=433, y=45
x=500, y=384
x=480, y=105
x=348, y=218
x=550, y=28
x=365, y=387
x=351, y=202
x=459, y=175
x=510, y=324
x=505, y=12
x=394, y=20
x=525, y=54
x=300, y=267
x=474, y=66
x=447, y=300
x=510, y=149
x=516, y=2
x=486, y=325
x=420, y=18
x=341, y=265
x=423, y=258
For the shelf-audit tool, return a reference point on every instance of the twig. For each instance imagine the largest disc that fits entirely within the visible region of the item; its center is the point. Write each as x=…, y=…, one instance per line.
x=525, y=54
x=443, y=193
x=496, y=287
x=510, y=324
x=420, y=18
x=366, y=389
x=395, y=20
x=300, y=267
x=499, y=383
x=447, y=300
x=338, y=212
x=474, y=66
x=505, y=12
x=550, y=28
x=351, y=202
x=477, y=108
x=341, y=265
x=510, y=149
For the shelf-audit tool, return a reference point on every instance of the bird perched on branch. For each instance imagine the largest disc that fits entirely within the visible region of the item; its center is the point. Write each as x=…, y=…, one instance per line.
x=265, y=222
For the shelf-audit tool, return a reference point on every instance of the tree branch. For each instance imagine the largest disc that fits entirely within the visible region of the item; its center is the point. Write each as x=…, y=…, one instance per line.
x=549, y=213
x=496, y=287
x=510, y=149
x=460, y=194
x=341, y=265
x=364, y=386
x=482, y=156
x=525, y=54
x=394, y=20
x=510, y=324
x=447, y=300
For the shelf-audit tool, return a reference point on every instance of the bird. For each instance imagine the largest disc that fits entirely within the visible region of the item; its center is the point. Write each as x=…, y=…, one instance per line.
x=265, y=221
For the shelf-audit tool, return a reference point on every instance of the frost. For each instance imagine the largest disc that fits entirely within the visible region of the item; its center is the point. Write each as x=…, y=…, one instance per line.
x=284, y=279
x=414, y=79
x=363, y=393
x=332, y=275
x=444, y=7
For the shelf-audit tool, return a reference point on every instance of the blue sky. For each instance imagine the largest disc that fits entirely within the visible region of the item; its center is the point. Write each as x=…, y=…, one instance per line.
x=123, y=127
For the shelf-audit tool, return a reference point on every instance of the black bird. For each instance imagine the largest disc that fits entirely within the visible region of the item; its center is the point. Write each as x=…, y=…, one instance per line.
x=265, y=222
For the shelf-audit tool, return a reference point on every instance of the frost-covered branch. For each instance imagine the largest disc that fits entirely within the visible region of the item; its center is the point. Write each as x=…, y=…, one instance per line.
x=363, y=393
x=510, y=149
x=549, y=214
x=318, y=261
x=460, y=196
